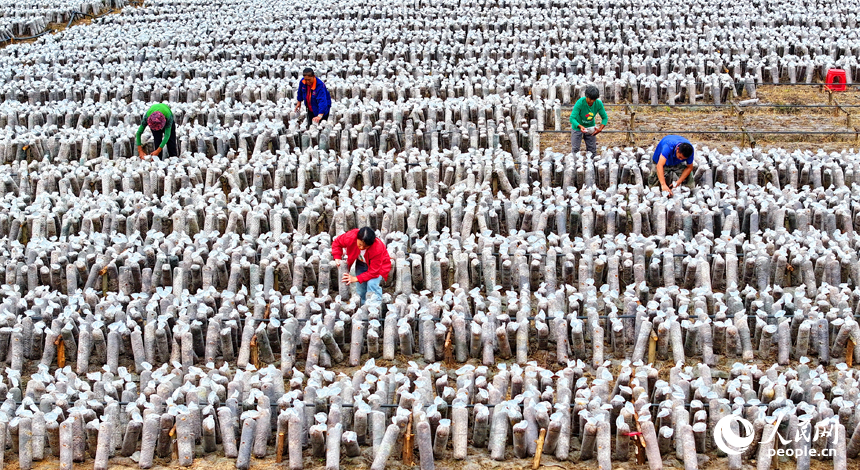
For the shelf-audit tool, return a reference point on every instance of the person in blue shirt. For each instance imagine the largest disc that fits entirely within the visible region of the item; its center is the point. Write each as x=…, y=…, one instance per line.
x=313, y=93
x=673, y=156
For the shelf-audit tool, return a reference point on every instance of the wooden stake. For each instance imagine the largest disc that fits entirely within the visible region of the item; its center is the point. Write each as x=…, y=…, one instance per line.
x=849, y=353
x=61, y=351
x=279, y=457
x=103, y=273
x=172, y=434
x=449, y=349
x=639, y=440
x=652, y=348
x=774, y=463
x=539, y=451
x=255, y=355
x=407, y=444
x=225, y=186
x=632, y=113
x=268, y=310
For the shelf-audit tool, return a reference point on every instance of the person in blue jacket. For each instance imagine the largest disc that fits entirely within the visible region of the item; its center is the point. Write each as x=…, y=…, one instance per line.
x=313, y=93
x=673, y=155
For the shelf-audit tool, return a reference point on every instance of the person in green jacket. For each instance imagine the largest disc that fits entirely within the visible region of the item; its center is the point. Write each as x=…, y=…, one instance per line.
x=582, y=120
x=159, y=118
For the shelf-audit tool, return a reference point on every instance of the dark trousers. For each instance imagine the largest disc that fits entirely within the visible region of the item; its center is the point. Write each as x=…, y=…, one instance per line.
x=311, y=117
x=360, y=267
x=576, y=138
x=157, y=137
x=670, y=174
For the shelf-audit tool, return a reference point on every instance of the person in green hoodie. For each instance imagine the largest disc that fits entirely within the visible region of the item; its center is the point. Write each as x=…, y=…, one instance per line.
x=582, y=121
x=159, y=118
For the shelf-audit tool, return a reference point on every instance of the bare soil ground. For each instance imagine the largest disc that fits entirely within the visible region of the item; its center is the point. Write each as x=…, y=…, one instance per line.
x=781, y=117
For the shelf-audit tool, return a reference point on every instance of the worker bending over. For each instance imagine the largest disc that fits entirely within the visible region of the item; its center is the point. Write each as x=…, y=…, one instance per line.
x=159, y=118
x=673, y=157
x=371, y=259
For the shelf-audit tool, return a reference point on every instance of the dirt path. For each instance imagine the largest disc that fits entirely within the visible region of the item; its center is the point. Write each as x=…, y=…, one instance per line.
x=780, y=118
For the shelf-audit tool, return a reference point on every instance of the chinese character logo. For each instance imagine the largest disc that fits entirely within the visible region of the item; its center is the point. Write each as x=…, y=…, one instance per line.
x=728, y=440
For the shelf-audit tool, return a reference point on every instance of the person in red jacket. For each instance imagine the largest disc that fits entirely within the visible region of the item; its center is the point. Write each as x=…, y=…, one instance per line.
x=372, y=262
